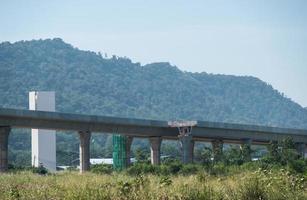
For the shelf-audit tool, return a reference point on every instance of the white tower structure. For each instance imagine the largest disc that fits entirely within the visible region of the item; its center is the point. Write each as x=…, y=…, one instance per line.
x=43, y=141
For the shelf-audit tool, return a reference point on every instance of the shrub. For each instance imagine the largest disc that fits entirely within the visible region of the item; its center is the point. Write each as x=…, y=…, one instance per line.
x=164, y=170
x=252, y=189
x=189, y=169
x=141, y=168
x=41, y=170
x=102, y=169
x=297, y=166
x=16, y=168
x=218, y=169
x=174, y=167
x=170, y=168
x=165, y=181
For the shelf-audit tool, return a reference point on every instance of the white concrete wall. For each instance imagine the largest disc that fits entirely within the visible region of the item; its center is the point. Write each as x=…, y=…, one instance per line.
x=43, y=141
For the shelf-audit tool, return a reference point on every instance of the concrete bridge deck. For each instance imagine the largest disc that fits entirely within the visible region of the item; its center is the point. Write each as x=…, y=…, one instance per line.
x=186, y=131
x=143, y=127
x=77, y=122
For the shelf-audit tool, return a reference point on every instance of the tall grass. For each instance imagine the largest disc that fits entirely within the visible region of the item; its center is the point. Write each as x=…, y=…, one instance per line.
x=244, y=185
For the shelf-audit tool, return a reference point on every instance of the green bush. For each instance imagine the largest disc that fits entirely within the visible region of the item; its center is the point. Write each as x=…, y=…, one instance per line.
x=174, y=167
x=297, y=166
x=102, y=169
x=189, y=169
x=170, y=168
x=165, y=181
x=142, y=168
x=164, y=170
x=218, y=169
x=251, y=165
x=41, y=170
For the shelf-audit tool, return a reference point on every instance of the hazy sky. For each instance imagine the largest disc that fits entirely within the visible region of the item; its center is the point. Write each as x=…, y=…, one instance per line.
x=262, y=38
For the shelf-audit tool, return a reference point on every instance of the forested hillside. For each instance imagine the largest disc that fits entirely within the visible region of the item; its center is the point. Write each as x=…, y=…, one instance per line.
x=85, y=82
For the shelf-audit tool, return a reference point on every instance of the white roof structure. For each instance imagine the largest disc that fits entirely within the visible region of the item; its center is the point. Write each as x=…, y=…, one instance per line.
x=108, y=161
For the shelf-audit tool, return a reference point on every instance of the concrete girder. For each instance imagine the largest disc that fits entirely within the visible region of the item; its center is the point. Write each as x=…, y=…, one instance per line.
x=144, y=128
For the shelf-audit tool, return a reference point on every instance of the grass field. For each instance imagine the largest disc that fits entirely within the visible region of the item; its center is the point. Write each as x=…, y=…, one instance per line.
x=243, y=184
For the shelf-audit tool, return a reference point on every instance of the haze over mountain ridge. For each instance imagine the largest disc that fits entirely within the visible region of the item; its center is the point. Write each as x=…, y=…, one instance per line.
x=86, y=82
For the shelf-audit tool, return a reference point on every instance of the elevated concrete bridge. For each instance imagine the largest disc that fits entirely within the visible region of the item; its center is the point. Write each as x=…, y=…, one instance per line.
x=187, y=132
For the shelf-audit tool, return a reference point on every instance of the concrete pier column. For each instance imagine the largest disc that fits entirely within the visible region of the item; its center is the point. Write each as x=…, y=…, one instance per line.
x=155, y=145
x=301, y=148
x=217, y=149
x=272, y=148
x=187, y=147
x=4, y=136
x=43, y=141
x=121, y=151
x=85, y=137
x=191, y=151
x=128, y=149
x=246, y=149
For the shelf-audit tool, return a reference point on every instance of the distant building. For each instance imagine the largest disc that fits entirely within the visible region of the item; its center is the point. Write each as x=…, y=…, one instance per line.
x=43, y=141
x=107, y=161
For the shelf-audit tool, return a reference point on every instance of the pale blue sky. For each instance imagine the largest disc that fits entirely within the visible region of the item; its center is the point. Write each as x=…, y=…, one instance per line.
x=262, y=38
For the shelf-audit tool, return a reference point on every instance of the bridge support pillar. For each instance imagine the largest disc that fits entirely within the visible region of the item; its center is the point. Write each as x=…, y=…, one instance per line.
x=128, y=149
x=155, y=145
x=85, y=137
x=217, y=149
x=191, y=151
x=187, y=144
x=246, y=149
x=301, y=148
x=4, y=136
x=121, y=151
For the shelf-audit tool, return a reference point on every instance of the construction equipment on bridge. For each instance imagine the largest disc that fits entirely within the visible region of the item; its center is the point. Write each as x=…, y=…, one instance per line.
x=181, y=123
x=184, y=127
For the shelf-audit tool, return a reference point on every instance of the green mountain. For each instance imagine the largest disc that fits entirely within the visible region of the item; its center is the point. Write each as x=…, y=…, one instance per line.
x=85, y=82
